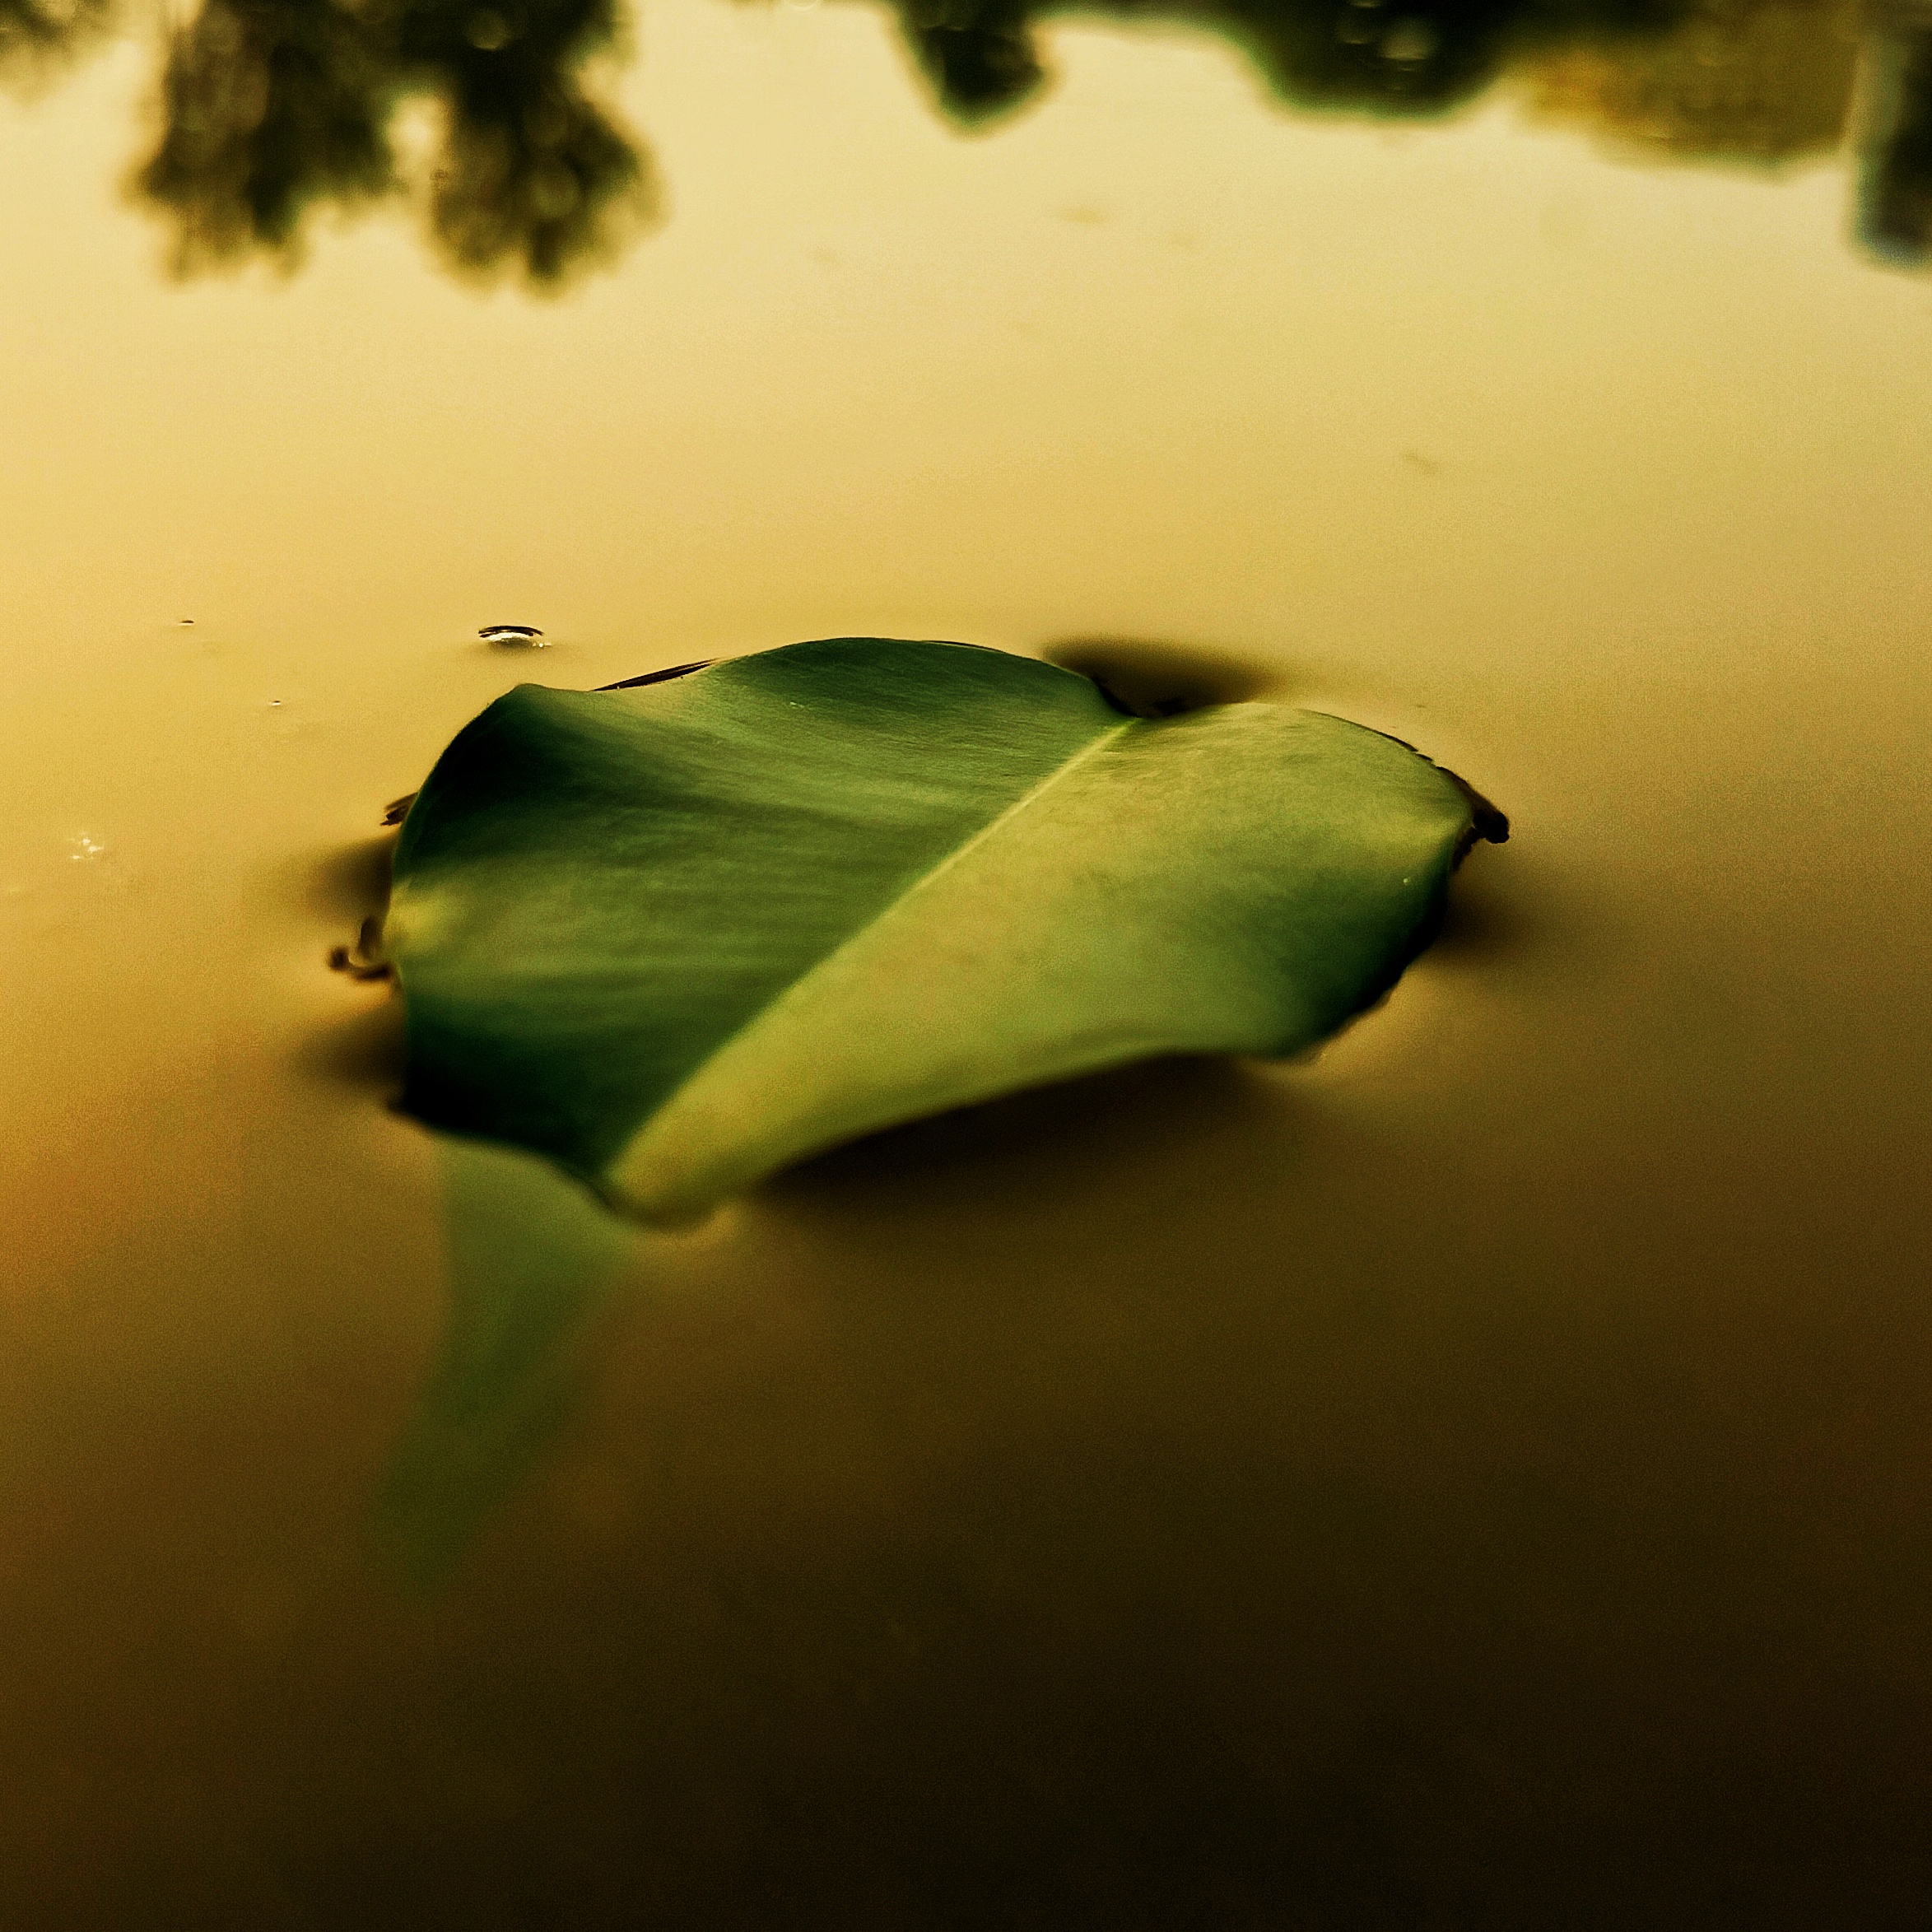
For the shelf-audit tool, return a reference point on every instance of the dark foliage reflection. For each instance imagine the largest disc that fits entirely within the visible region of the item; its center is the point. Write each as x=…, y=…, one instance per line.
x=1392, y=57
x=274, y=105
x=39, y=36
x=1895, y=201
x=271, y=108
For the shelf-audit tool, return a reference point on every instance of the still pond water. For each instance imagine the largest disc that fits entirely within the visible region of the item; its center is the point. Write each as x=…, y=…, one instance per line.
x=1477, y=1479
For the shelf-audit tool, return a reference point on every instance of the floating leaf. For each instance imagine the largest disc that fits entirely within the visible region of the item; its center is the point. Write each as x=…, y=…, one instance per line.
x=677, y=935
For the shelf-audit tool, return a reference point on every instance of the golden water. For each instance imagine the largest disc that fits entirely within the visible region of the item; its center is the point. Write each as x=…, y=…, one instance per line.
x=1477, y=1479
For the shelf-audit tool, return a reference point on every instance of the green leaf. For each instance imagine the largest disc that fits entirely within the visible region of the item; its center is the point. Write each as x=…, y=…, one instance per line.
x=677, y=936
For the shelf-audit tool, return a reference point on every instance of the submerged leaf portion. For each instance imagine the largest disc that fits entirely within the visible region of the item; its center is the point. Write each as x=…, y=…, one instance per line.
x=677, y=935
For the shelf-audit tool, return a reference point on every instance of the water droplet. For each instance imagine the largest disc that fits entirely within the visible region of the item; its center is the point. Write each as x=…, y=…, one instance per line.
x=526, y=635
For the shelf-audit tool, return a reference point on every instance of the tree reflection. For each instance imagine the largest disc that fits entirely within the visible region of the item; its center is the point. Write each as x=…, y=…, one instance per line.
x=38, y=36
x=1388, y=57
x=272, y=106
x=273, y=110
x=1895, y=186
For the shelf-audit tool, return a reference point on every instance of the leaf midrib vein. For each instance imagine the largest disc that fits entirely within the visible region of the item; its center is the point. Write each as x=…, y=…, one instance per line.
x=924, y=882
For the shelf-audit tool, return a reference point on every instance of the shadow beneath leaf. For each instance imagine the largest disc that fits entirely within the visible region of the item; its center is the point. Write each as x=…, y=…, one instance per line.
x=1476, y=923
x=1151, y=679
x=1047, y=1144
x=350, y=884
x=365, y=1051
x=1488, y=920
x=346, y=891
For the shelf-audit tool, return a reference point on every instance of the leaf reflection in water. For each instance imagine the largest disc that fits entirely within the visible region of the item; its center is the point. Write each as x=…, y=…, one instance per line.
x=531, y=1258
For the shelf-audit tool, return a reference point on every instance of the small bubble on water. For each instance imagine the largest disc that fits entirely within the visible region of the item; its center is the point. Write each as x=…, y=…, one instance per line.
x=526, y=637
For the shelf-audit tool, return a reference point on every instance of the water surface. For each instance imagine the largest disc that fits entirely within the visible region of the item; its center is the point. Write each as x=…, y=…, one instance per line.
x=1476, y=1480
